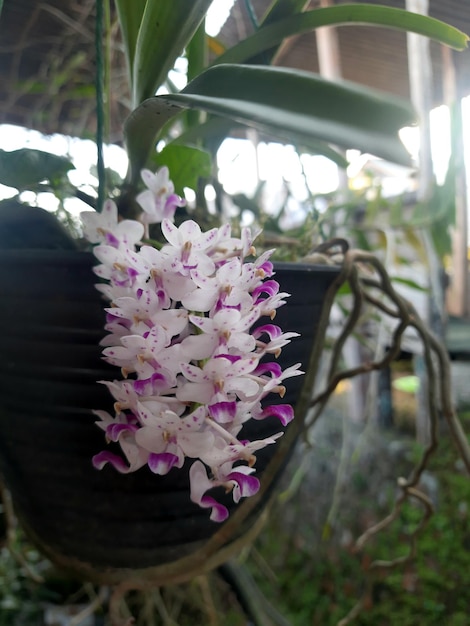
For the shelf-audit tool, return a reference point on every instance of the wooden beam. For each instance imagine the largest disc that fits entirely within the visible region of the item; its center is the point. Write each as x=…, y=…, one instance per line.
x=420, y=77
x=329, y=57
x=458, y=292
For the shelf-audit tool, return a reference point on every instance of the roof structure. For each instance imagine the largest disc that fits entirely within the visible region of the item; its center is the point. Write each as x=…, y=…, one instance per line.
x=47, y=60
x=370, y=55
x=47, y=67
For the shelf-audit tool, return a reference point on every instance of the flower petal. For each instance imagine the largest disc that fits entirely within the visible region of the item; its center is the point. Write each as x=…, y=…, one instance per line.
x=162, y=463
x=200, y=483
x=284, y=412
x=104, y=457
x=245, y=485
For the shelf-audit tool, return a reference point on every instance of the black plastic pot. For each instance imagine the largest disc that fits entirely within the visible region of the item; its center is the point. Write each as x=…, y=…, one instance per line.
x=102, y=524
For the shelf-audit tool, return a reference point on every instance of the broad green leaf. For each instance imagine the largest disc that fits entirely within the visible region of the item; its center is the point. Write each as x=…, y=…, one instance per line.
x=216, y=129
x=280, y=10
x=140, y=130
x=130, y=14
x=166, y=28
x=26, y=168
x=212, y=131
x=186, y=165
x=343, y=15
x=298, y=105
x=196, y=52
x=321, y=148
x=197, y=56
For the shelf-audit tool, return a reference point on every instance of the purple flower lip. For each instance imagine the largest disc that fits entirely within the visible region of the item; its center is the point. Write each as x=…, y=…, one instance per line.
x=271, y=330
x=114, y=431
x=269, y=287
x=268, y=368
x=233, y=358
x=112, y=240
x=284, y=412
x=162, y=463
x=247, y=485
x=223, y=412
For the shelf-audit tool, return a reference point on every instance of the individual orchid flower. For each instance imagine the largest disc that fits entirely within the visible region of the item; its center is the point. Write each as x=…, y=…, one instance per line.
x=200, y=484
x=221, y=372
x=226, y=330
x=188, y=247
x=136, y=350
x=171, y=438
x=159, y=201
x=105, y=227
x=121, y=429
x=237, y=480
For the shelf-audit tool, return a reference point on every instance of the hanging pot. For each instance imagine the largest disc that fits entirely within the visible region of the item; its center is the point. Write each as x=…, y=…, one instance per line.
x=102, y=524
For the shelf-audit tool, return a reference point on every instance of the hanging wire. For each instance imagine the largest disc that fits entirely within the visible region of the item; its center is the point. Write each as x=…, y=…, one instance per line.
x=99, y=88
x=107, y=69
x=251, y=14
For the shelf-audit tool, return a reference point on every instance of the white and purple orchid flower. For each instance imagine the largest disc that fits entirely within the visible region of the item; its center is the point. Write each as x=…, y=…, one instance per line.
x=181, y=329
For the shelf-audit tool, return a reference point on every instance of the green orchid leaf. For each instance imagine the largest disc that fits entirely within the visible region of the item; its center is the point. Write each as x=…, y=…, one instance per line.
x=140, y=130
x=342, y=15
x=197, y=52
x=166, y=28
x=211, y=132
x=25, y=168
x=186, y=165
x=297, y=106
x=280, y=10
x=321, y=148
x=216, y=129
x=130, y=13
x=197, y=57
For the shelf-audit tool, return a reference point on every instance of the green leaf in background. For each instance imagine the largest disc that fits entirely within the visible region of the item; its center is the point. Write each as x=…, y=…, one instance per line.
x=26, y=167
x=280, y=10
x=314, y=148
x=343, y=15
x=130, y=14
x=211, y=132
x=409, y=384
x=214, y=131
x=197, y=57
x=298, y=105
x=186, y=165
x=166, y=28
x=140, y=130
x=409, y=283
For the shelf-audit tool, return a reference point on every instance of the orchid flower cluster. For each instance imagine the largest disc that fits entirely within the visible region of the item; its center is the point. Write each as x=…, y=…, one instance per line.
x=180, y=328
